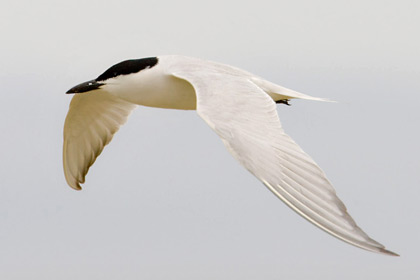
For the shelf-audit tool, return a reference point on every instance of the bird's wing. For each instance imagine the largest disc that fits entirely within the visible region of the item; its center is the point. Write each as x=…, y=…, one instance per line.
x=246, y=120
x=91, y=122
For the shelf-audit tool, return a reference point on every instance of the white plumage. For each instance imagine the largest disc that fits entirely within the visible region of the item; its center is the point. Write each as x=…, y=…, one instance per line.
x=238, y=106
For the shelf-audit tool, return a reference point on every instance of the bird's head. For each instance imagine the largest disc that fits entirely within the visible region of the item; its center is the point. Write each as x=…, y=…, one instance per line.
x=126, y=67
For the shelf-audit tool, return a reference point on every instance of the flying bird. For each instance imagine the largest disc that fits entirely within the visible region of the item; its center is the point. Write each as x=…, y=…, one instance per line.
x=239, y=106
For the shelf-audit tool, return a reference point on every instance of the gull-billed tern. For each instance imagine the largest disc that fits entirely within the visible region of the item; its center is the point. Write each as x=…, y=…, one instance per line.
x=239, y=106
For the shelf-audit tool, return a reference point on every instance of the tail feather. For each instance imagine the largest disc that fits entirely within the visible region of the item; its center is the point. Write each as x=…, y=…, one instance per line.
x=281, y=93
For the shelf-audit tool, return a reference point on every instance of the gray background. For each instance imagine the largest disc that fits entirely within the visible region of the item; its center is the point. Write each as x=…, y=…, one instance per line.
x=166, y=200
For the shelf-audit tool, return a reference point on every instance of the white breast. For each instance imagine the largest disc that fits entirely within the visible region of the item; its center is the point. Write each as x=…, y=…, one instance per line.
x=154, y=88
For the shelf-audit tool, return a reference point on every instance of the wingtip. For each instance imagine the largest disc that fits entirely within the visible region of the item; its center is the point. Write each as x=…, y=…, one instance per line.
x=77, y=189
x=75, y=186
x=390, y=253
x=72, y=182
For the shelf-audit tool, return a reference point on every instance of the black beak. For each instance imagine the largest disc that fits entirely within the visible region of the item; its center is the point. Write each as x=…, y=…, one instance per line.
x=84, y=87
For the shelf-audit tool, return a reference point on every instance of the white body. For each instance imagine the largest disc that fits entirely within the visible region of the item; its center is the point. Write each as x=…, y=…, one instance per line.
x=238, y=106
x=158, y=87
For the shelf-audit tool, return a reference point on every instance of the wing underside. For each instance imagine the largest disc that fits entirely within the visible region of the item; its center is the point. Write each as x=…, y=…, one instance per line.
x=93, y=118
x=245, y=118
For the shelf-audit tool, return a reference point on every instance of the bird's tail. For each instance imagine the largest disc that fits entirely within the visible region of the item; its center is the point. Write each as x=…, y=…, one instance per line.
x=281, y=93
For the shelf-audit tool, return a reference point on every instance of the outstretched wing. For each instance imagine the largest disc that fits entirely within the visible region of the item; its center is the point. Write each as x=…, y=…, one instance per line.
x=246, y=120
x=93, y=118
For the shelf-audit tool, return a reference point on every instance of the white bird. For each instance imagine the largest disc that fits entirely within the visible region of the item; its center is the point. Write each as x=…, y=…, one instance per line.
x=239, y=106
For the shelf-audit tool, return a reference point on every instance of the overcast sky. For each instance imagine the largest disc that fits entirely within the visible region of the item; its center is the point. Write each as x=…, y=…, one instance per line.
x=165, y=200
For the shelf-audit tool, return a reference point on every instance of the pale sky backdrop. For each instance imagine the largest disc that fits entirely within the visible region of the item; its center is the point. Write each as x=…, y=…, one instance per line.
x=166, y=200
